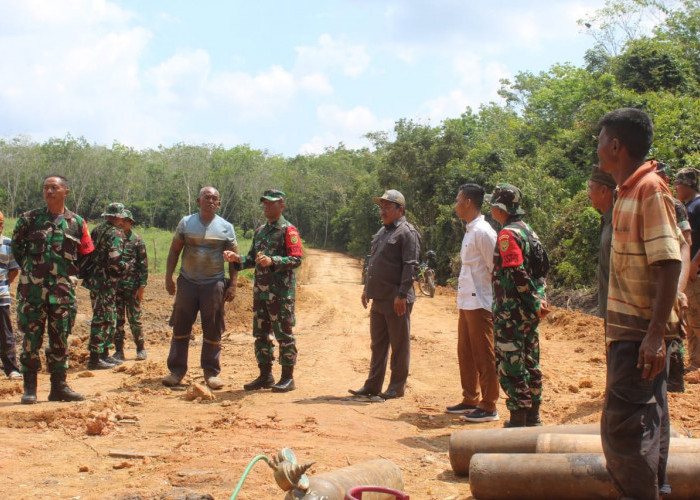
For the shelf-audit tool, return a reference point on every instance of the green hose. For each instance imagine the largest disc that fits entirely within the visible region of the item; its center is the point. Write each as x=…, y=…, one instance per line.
x=245, y=474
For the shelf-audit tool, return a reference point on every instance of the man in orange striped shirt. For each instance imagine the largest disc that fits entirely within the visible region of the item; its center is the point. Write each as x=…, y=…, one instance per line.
x=644, y=273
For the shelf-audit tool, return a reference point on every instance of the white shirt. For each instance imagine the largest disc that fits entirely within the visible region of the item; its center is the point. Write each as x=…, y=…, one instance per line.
x=474, y=291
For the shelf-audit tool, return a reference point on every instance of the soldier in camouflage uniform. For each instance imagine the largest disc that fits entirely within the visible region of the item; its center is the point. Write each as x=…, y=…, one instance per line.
x=518, y=303
x=47, y=243
x=109, y=267
x=130, y=288
x=275, y=253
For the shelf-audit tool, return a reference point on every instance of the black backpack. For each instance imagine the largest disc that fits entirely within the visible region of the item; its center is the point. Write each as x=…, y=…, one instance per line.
x=539, y=260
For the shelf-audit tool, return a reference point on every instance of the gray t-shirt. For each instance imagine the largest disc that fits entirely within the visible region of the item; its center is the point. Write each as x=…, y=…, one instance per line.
x=202, y=259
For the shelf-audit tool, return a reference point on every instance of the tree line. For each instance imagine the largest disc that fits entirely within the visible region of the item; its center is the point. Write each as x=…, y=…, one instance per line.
x=541, y=137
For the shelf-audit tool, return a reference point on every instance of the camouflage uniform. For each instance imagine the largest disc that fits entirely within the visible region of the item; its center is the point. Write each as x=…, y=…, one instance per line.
x=47, y=248
x=109, y=245
x=127, y=305
x=273, y=290
x=516, y=303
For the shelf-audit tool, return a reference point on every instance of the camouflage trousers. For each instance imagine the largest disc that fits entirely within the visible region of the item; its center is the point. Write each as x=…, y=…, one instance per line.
x=104, y=318
x=274, y=319
x=32, y=320
x=128, y=307
x=518, y=359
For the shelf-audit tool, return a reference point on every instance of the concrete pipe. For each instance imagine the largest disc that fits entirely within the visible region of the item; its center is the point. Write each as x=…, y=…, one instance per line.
x=566, y=476
x=464, y=444
x=333, y=485
x=580, y=443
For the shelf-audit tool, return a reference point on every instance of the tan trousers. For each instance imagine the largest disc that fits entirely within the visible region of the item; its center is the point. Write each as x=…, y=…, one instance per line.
x=692, y=291
x=477, y=361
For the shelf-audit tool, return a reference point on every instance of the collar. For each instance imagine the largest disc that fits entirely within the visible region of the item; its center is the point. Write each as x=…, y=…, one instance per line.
x=643, y=170
x=470, y=225
x=396, y=223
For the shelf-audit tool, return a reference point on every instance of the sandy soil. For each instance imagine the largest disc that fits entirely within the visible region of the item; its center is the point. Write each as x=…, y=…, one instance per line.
x=62, y=450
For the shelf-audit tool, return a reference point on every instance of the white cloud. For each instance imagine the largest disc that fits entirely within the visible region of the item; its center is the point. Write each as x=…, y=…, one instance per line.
x=346, y=126
x=332, y=55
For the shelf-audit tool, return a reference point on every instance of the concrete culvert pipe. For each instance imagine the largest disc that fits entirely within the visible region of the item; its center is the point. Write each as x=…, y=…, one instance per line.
x=566, y=476
x=464, y=444
x=334, y=484
x=582, y=443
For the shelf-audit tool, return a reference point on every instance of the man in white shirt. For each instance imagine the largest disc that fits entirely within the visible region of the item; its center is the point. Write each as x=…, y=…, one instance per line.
x=475, y=349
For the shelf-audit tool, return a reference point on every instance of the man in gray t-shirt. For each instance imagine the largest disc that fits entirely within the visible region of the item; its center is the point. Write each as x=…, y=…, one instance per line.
x=201, y=288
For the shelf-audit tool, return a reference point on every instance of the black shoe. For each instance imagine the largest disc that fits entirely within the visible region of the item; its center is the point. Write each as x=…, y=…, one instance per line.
x=391, y=394
x=104, y=356
x=119, y=355
x=533, y=415
x=29, y=396
x=518, y=418
x=264, y=381
x=140, y=353
x=60, y=390
x=461, y=408
x=479, y=415
x=97, y=363
x=363, y=391
x=286, y=382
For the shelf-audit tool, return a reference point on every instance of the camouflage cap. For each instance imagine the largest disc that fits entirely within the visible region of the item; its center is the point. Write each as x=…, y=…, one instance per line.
x=391, y=195
x=114, y=210
x=688, y=176
x=128, y=215
x=273, y=195
x=507, y=198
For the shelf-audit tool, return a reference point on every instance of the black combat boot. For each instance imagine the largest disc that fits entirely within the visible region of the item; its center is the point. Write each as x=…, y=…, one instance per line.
x=104, y=356
x=60, y=390
x=286, y=382
x=140, y=352
x=264, y=381
x=29, y=396
x=518, y=418
x=96, y=363
x=118, y=350
x=533, y=415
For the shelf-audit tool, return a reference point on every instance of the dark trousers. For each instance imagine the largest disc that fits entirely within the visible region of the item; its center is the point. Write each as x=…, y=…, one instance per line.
x=635, y=426
x=387, y=329
x=7, y=342
x=190, y=299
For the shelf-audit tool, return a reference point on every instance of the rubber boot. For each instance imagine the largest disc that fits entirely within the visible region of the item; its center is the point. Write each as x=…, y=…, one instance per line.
x=96, y=363
x=518, y=418
x=29, y=396
x=104, y=356
x=286, y=382
x=60, y=390
x=119, y=350
x=533, y=415
x=264, y=381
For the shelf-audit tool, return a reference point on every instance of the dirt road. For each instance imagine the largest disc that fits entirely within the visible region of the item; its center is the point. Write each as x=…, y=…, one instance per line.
x=62, y=450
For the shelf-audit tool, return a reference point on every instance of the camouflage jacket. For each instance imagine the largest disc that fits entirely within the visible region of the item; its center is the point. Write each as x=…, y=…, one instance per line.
x=47, y=248
x=137, y=259
x=512, y=284
x=279, y=240
x=109, y=247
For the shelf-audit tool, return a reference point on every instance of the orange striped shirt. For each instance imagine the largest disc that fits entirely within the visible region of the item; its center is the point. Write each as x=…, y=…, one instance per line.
x=644, y=233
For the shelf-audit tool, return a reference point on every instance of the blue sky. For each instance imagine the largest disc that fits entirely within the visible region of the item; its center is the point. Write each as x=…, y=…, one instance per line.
x=282, y=76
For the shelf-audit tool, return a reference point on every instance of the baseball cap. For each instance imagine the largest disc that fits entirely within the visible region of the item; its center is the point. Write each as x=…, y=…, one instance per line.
x=128, y=215
x=115, y=210
x=391, y=195
x=688, y=176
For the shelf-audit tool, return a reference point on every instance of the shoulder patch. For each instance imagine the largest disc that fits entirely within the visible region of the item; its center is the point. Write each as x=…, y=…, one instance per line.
x=511, y=253
x=293, y=242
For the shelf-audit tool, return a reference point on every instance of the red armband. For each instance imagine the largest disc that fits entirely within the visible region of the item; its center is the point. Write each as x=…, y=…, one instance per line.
x=293, y=243
x=511, y=254
x=86, y=245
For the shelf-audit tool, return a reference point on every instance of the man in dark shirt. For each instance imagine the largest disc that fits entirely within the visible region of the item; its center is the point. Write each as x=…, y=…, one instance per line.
x=687, y=184
x=392, y=265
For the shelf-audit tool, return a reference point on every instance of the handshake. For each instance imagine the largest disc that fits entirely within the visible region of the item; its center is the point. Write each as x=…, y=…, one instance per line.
x=261, y=259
